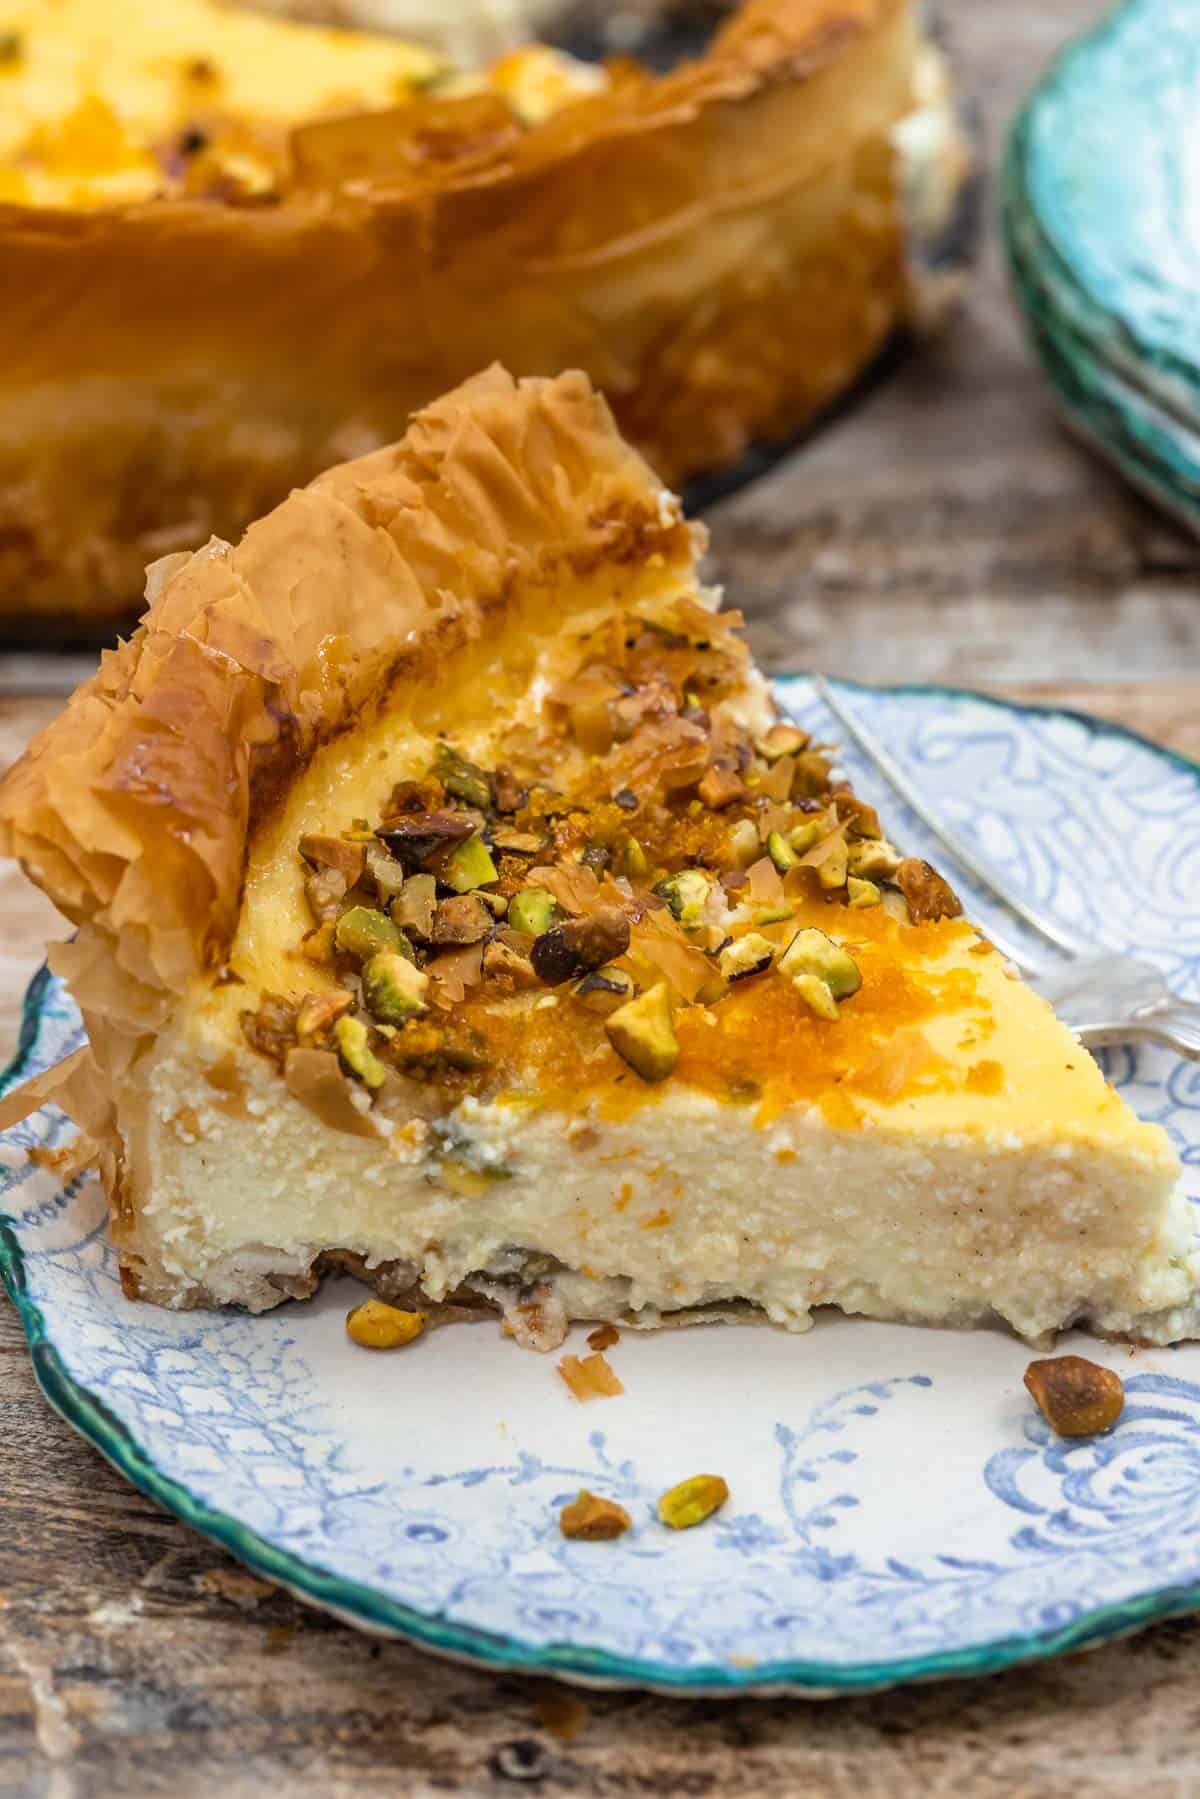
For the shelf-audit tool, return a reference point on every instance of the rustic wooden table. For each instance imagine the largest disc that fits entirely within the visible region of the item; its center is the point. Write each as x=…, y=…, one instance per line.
x=945, y=530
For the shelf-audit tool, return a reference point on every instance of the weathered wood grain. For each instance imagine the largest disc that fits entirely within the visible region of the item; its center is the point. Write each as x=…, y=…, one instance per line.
x=946, y=530
x=949, y=530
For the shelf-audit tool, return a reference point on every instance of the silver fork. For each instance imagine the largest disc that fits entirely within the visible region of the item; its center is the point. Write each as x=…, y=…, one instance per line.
x=1104, y=997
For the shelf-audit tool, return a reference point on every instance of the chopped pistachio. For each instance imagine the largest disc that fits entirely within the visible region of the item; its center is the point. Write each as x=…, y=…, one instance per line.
x=816, y=994
x=860, y=819
x=428, y=1049
x=509, y=795
x=862, y=893
x=632, y=860
x=363, y=932
x=692, y=1501
x=751, y=954
x=686, y=894
x=605, y=989
x=782, y=740
x=803, y=836
x=414, y=906
x=271, y=1030
x=318, y=1014
x=501, y=961
x=642, y=1032
x=418, y=838
x=463, y=919
x=461, y=778
x=374, y=1325
x=597, y=857
x=322, y=851
x=772, y=914
x=531, y=910
x=383, y=871
x=393, y=988
x=519, y=843
x=812, y=952
x=578, y=945
x=810, y=776
x=743, y=842
x=1076, y=1397
x=590, y=1519
x=469, y=865
x=496, y=903
x=355, y=1052
x=874, y=858
x=929, y=896
x=832, y=871
x=324, y=892
x=781, y=852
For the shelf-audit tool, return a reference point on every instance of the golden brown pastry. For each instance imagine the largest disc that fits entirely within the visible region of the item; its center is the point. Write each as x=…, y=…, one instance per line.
x=212, y=287
x=453, y=906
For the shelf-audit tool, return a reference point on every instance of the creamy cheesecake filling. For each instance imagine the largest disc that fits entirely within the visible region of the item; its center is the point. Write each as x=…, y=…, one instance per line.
x=682, y=1204
x=899, y=1128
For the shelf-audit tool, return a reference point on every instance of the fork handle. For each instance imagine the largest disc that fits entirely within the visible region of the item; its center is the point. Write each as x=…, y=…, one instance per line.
x=1176, y=1026
x=1179, y=1027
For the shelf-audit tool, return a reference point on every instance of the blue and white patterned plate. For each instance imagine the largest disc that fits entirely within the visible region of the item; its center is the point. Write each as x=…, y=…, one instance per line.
x=898, y=1508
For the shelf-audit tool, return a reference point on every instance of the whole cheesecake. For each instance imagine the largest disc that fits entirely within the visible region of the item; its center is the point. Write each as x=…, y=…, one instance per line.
x=236, y=250
x=452, y=905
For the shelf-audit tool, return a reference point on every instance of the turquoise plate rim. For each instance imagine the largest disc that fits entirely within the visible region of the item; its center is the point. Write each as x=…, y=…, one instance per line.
x=1014, y=188
x=1078, y=373
x=1116, y=387
x=361, y=1605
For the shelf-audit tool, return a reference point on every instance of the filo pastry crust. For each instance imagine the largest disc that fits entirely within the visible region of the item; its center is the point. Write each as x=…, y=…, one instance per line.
x=134, y=810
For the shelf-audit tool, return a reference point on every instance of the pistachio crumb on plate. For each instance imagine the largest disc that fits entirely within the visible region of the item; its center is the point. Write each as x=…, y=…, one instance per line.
x=375, y=1325
x=689, y=1503
x=590, y=1519
x=1077, y=1398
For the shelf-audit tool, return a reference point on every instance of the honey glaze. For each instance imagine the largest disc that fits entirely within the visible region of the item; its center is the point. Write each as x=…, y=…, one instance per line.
x=761, y=1044
x=765, y=1044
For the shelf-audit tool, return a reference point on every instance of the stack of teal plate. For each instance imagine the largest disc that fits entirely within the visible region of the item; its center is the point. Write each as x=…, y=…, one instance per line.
x=1100, y=197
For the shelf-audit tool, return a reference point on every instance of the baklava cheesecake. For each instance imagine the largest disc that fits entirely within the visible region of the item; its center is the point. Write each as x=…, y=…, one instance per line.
x=453, y=905
x=235, y=250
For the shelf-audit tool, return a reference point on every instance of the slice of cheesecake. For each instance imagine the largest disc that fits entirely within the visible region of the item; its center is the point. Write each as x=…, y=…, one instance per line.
x=452, y=905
